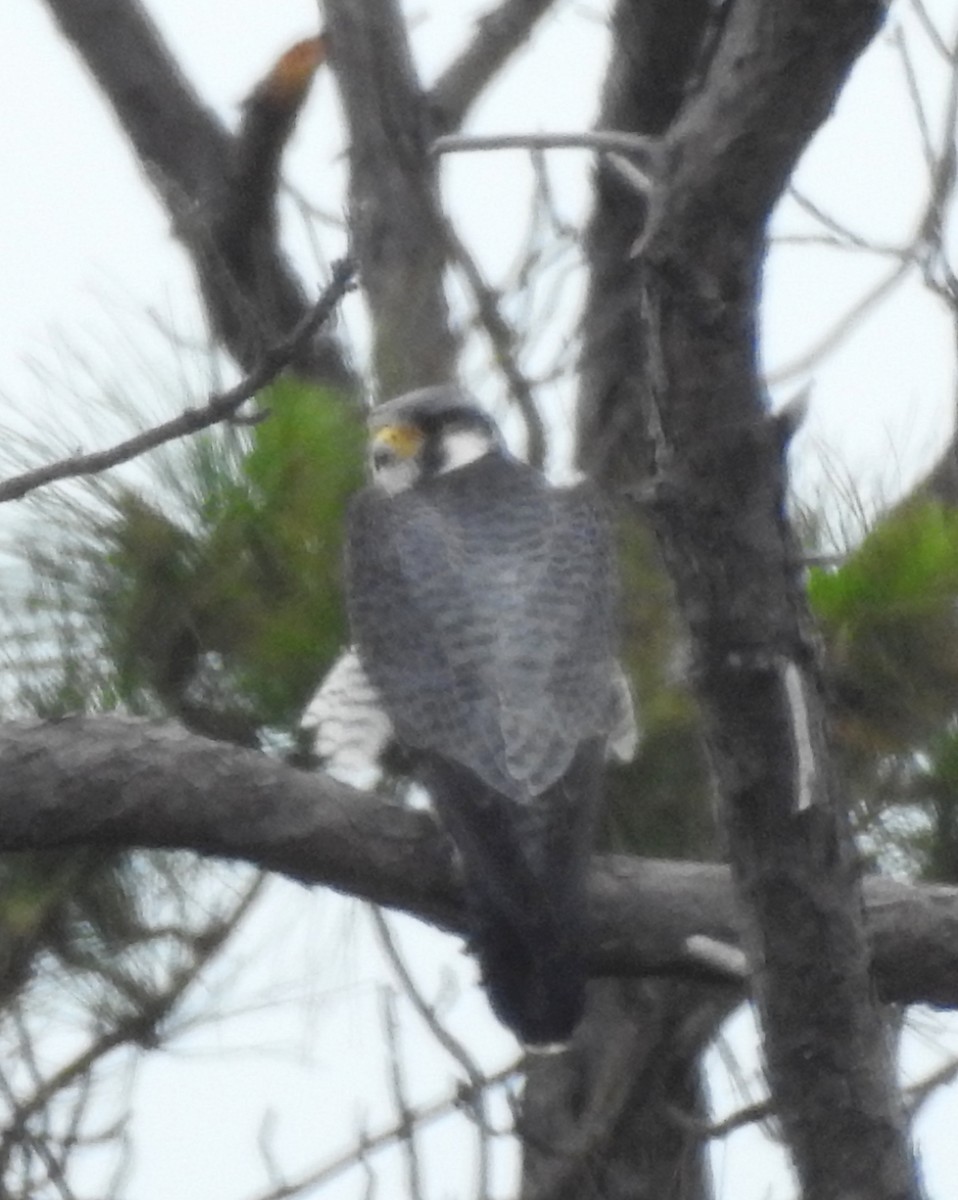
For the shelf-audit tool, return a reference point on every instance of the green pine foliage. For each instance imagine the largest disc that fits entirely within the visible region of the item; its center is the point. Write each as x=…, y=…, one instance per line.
x=890, y=619
x=230, y=604
x=660, y=804
x=212, y=594
x=935, y=787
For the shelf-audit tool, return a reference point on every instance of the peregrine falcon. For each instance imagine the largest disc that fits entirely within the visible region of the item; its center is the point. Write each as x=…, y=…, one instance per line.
x=482, y=606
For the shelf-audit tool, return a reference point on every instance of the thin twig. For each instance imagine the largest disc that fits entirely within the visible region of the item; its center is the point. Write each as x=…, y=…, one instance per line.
x=919, y=1093
x=498, y=35
x=708, y=1131
x=844, y=236
x=450, y=1044
x=219, y=407
x=544, y=199
x=397, y=1083
x=914, y=93
x=421, y=1117
x=763, y=1110
x=264, y=1141
x=641, y=182
x=841, y=329
x=477, y=1079
x=931, y=231
x=831, y=242
x=136, y=1028
x=600, y=139
x=931, y=30
x=38, y=1145
x=503, y=342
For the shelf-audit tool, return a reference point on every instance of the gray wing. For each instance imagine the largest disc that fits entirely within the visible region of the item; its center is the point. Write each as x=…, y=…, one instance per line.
x=482, y=605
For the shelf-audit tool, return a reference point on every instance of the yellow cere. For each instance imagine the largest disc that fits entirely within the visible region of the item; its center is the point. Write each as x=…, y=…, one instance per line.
x=403, y=440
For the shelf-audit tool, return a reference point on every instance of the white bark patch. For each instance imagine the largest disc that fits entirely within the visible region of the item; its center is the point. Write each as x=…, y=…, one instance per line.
x=801, y=730
x=720, y=956
x=625, y=734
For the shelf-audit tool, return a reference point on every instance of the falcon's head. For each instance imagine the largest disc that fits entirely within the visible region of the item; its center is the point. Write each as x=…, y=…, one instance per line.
x=427, y=433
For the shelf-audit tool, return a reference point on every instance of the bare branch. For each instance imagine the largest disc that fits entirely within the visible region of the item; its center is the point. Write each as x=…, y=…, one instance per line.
x=499, y=35
x=641, y=182
x=914, y=95
x=918, y=1093
x=503, y=342
x=251, y=295
x=726, y=159
x=643, y=148
x=139, y=1027
x=843, y=235
x=931, y=30
x=218, y=408
x=764, y=1110
x=118, y=781
x=453, y=1047
x=421, y=1117
x=269, y=117
x=398, y=1089
x=761, y=1110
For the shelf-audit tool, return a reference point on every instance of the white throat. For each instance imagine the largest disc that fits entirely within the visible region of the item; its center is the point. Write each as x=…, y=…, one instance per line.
x=397, y=475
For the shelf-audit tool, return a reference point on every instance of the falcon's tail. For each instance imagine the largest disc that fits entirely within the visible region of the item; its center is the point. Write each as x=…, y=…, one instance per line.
x=525, y=868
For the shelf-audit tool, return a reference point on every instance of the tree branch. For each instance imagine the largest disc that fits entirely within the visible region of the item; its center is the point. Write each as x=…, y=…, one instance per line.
x=499, y=35
x=139, y=1026
x=607, y=140
x=218, y=408
x=722, y=527
x=312, y=1180
x=655, y=47
x=395, y=219
x=502, y=338
x=251, y=295
x=774, y=78
x=119, y=781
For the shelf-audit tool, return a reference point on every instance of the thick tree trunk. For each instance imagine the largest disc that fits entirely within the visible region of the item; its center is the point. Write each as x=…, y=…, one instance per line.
x=623, y=1142
x=395, y=217
x=619, y=1116
x=679, y=310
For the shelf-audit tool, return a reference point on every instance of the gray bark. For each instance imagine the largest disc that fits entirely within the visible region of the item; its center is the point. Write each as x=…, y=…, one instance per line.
x=252, y=297
x=670, y=393
x=499, y=34
x=719, y=476
x=395, y=218
x=655, y=47
x=620, y=1115
x=124, y=782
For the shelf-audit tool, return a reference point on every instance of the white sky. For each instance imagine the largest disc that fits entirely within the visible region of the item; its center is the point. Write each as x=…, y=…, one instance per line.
x=86, y=252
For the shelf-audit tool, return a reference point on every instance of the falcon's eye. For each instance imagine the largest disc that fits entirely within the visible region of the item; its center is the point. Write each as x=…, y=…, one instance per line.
x=382, y=457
